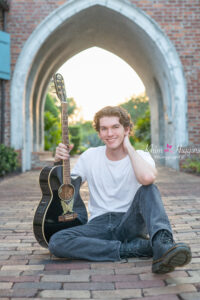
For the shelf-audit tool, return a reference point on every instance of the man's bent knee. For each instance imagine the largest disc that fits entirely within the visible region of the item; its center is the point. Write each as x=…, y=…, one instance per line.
x=149, y=187
x=54, y=245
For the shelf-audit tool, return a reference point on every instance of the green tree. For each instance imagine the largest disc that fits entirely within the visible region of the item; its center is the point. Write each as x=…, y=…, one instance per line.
x=143, y=128
x=139, y=110
x=52, y=127
x=89, y=136
x=52, y=130
x=136, y=106
x=52, y=120
x=50, y=106
x=86, y=130
x=75, y=137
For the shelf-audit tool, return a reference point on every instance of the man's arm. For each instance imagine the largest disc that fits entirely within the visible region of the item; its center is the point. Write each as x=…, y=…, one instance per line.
x=144, y=172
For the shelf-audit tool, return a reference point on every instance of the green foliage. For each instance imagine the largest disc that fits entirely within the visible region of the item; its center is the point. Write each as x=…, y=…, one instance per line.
x=86, y=130
x=52, y=127
x=8, y=160
x=81, y=149
x=52, y=123
x=87, y=126
x=136, y=106
x=75, y=137
x=142, y=128
x=192, y=164
x=139, y=145
x=94, y=140
x=74, y=130
x=89, y=136
x=52, y=131
x=50, y=105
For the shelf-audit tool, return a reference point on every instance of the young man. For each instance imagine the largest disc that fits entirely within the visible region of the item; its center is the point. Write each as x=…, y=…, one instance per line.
x=124, y=203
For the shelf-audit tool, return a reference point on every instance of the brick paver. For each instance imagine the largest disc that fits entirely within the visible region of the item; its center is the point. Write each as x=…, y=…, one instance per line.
x=27, y=271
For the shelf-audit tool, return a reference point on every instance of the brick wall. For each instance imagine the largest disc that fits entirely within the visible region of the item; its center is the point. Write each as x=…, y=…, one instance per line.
x=1, y=19
x=6, y=99
x=179, y=20
x=1, y=28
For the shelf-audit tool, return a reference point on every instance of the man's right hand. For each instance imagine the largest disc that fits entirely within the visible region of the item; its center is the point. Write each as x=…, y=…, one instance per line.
x=62, y=152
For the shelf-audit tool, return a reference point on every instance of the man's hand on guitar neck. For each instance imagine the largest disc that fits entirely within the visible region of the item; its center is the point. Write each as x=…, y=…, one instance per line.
x=62, y=152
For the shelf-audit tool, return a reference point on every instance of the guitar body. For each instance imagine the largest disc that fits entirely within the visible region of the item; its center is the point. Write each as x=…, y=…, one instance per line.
x=45, y=222
x=61, y=205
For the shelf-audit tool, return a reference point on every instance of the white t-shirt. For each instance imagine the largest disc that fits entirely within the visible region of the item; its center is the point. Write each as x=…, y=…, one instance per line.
x=112, y=184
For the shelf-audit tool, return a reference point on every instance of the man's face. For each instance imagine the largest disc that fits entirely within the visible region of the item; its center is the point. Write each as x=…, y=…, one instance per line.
x=112, y=132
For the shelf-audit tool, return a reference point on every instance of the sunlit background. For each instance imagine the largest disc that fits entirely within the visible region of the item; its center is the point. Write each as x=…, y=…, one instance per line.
x=96, y=78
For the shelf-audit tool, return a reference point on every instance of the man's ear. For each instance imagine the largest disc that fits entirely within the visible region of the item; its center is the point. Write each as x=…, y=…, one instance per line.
x=127, y=130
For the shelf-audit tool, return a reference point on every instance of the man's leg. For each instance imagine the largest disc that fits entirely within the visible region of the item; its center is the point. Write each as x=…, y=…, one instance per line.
x=92, y=241
x=147, y=213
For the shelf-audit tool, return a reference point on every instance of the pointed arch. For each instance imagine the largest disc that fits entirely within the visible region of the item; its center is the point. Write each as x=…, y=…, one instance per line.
x=117, y=26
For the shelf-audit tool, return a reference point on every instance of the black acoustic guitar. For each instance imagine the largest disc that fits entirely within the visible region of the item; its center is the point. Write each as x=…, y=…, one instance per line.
x=61, y=205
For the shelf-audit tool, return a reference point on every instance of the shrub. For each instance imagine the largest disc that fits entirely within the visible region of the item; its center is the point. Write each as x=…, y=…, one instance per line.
x=74, y=130
x=75, y=137
x=139, y=145
x=94, y=140
x=8, y=160
x=81, y=149
x=192, y=164
x=89, y=136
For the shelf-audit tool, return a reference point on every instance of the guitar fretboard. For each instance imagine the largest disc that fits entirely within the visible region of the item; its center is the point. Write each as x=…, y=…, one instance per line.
x=65, y=141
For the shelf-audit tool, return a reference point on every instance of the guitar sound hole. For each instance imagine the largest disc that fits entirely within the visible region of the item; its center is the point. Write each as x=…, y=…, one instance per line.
x=66, y=191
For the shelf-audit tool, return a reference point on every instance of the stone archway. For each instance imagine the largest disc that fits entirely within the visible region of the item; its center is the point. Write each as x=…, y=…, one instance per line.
x=119, y=27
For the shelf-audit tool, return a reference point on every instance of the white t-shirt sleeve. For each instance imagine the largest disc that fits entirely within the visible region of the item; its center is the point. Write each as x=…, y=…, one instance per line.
x=80, y=169
x=147, y=156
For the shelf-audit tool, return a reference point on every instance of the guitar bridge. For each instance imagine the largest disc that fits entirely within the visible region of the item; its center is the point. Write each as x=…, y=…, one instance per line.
x=67, y=217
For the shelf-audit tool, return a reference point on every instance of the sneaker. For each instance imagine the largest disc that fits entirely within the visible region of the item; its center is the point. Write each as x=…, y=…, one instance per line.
x=138, y=247
x=167, y=255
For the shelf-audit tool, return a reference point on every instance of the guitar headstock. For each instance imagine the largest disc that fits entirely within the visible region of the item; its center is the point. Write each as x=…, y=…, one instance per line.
x=60, y=87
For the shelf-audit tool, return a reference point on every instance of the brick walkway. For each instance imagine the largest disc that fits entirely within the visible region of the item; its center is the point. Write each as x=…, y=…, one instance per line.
x=27, y=271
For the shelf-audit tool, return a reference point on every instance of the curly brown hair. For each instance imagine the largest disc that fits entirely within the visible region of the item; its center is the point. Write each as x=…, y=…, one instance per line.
x=109, y=111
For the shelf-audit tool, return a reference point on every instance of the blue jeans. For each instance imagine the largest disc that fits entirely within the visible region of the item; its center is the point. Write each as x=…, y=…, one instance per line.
x=100, y=238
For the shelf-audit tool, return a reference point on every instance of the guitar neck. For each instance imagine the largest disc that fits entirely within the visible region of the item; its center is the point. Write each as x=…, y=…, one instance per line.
x=65, y=141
